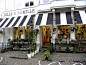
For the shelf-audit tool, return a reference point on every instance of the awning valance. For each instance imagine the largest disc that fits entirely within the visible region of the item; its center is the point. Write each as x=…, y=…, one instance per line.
x=63, y=18
x=16, y=21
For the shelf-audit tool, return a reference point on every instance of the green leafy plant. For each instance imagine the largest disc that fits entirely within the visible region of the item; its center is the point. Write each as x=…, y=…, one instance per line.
x=9, y=40
x=35, y=32
x=46, y=54
x=30, y=35
x=11, y=43
x=28, y=50
x=14, y=40
x=50, y=48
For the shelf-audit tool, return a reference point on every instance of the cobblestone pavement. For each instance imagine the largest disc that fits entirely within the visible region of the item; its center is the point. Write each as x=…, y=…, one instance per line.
x=64, y=58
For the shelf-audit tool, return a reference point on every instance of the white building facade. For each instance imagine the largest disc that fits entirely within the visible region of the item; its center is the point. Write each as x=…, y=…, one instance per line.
x=46, y=15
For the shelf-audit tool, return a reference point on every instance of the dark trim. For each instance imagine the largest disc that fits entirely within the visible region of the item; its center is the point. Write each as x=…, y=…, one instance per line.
x=16, y=21
x=78, y=18
x=1, y=20
x=39, y=19
x=4, y=22
x=23, y=21
x=68, y=17
x=49, y=19
x=31, y=18
x=58, y=18
x=10, y=21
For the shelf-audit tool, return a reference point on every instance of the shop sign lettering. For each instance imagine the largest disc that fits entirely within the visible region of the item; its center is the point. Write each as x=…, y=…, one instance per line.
x=19, y=12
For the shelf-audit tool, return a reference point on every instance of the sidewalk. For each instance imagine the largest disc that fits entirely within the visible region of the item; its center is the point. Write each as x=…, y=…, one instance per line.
x=64, y=58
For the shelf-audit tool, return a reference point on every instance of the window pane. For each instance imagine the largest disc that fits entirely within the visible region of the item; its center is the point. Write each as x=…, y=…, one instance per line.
x=27, y=4
x=45, y=1
x=31, y=3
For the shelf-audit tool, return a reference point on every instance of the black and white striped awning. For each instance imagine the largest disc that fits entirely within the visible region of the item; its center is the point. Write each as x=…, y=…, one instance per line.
x=16, y=21
x=63, y=18
x=44, y=19
x=80, y=16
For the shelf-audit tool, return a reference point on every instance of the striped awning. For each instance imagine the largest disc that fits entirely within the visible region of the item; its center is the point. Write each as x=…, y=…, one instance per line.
x=16, y=21
x=44, y=19
x=80, y=16
x=63, y=18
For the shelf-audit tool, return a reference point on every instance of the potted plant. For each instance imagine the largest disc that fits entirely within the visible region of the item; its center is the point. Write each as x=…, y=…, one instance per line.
x=46, y=54
x=21, y=31
x=30, y=36
x=32, y=51
x=28, y=52
x=1, y=32
x=11, y=44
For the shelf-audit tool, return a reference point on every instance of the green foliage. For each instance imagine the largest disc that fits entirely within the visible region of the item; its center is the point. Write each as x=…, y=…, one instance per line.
x=28, y=49
x=14, y=40
x=30, y=35
x=46, y=54
x=11, y=43
x=50, y=48
x=9, y=39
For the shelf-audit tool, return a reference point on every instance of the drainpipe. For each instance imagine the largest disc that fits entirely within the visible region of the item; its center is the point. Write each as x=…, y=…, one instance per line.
x=72, y=33
x=53, y=26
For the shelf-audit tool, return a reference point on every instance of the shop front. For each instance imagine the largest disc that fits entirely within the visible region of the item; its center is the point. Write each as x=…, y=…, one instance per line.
x=16, y=24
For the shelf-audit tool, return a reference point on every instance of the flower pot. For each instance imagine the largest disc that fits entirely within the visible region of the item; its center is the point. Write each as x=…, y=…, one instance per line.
x=32, y=54
x=46, y=58
x=29, y=55
x=35, y=52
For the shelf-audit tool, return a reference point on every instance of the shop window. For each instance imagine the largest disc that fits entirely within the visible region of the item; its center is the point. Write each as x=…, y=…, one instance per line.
x=26, y=31
x=80, y=32
x=63, y=32
x=31, y=3
x=26, y=4
x=17, y=33
x=74, y=17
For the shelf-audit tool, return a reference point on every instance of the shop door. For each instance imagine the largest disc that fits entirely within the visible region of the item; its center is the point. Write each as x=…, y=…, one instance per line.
x=46, y=36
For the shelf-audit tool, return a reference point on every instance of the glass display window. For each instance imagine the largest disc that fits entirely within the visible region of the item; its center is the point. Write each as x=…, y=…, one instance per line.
x=64, y=32
x=17, y=32
x=80, y=32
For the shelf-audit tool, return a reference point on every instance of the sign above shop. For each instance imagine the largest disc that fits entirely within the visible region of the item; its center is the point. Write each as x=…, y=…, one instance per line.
x=28, y=11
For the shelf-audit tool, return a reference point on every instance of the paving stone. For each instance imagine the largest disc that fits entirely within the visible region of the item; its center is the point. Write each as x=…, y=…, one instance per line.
x=68, y=58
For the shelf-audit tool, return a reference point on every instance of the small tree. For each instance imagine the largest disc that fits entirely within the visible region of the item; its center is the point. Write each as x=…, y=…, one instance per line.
x=30, y=35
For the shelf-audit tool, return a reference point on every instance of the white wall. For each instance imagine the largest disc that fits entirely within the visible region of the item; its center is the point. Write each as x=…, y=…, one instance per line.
x=1, y=40
x=6, y=34
x=16, y=4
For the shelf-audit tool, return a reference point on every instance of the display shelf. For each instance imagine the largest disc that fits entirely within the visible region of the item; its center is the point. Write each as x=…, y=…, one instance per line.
x=70, y=47
x=20, y=45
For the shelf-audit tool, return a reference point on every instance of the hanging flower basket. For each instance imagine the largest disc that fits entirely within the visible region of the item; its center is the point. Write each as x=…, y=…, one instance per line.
x=1, y=32
x=21, y=31
x=54, y=30
x=72, y=28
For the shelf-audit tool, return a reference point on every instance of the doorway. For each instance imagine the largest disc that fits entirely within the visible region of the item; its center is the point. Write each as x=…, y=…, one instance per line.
x=46, y=36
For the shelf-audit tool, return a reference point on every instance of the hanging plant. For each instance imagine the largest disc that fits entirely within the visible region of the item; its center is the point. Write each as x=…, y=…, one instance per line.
x=76, y=28
x=21, y=31
x=54, y=29
x=72, y=28
x=1, y=32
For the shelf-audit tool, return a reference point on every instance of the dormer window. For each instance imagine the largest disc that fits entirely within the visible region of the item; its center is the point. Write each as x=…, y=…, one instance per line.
x=26, y=4
x=31, y=3
x=45, y=1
